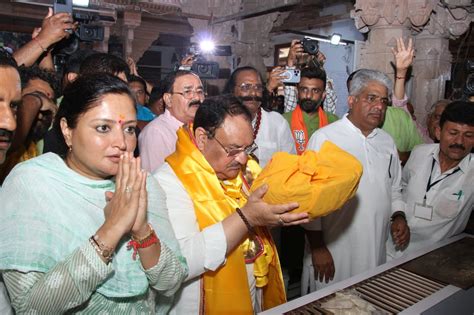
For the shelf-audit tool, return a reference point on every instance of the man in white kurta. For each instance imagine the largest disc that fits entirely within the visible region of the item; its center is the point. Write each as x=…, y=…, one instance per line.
x=271, y=131
x=205, y=250
x=355, y=235
x=448, y=167
x=273, y=136
x=214, y=216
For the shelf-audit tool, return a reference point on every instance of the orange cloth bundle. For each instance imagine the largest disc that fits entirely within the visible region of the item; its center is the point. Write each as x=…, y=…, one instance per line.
x=321, y=182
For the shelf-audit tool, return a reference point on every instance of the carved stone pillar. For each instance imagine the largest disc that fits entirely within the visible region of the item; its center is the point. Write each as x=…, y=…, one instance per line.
x=388, y=19
x=131, y=20
x=432, y=66
x=103, y=45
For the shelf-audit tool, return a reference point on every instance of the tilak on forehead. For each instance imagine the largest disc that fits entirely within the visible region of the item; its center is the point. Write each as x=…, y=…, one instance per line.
x=121, y=119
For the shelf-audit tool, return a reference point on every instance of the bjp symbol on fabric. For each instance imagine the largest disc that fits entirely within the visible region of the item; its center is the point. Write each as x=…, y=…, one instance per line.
x=299, y=139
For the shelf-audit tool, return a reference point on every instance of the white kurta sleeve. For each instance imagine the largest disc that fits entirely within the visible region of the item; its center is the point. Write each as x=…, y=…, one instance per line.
x=287, y=143
x=204, y=250
x=396, y=169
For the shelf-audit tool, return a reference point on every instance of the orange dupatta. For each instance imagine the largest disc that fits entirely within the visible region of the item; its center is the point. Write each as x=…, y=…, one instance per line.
x=226, y=290
x=299, y=130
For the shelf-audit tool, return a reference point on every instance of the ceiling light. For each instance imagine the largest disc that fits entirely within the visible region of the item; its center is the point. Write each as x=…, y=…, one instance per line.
x=81, y=3
x=335, y=39
x=207, y=46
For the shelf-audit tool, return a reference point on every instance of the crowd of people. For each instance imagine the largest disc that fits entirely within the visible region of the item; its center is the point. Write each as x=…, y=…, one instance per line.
x=119, y=196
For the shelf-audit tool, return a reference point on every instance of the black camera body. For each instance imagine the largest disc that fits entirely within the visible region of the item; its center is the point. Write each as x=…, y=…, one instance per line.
x=207, y=69
x=310, y=46
x=90, y=33
x=88, y=30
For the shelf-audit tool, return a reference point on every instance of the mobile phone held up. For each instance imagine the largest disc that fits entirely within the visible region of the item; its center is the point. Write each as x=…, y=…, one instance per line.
x=291, y=76
x=60, y=6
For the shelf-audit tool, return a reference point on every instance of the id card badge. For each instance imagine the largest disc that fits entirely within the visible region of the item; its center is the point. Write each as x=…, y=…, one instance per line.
x=423, y=211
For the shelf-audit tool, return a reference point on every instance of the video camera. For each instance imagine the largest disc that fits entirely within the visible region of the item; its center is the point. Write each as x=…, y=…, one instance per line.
x=88, y=30
x=203, y=68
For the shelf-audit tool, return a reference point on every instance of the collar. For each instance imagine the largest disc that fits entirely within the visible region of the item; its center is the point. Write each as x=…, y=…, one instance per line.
x=463, y=165
x=357, y=130
x=171, y=119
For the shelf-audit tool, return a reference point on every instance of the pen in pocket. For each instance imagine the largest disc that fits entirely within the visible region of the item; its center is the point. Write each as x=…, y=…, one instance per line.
x=389, y=167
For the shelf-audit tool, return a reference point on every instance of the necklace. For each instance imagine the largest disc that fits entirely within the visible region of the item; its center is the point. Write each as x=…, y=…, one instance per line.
x=257, y=123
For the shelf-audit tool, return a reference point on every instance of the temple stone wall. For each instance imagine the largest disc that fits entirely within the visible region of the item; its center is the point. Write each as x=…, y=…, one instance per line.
x=430, y=24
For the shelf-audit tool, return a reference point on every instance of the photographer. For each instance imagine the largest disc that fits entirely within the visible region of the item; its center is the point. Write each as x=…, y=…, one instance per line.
x=54, y=28
x=299, y=57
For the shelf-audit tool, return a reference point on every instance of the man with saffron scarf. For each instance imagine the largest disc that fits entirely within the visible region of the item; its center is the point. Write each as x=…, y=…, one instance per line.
x=309, y=115
x=233, y=263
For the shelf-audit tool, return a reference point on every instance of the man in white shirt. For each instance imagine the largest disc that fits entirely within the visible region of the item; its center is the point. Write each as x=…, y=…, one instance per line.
x=438, y=181
x=184, y=93
x=352, y=240
x=220, y=228
x=10, y=97
x=271, y=131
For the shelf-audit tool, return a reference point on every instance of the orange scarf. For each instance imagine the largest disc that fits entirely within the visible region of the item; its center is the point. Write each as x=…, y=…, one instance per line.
x=226, y=290
x=299, y=130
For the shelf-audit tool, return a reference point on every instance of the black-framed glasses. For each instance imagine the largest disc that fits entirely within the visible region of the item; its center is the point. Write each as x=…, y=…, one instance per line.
x=374, y=99
x=247, y=87
x=189, y=94
x=233, y=152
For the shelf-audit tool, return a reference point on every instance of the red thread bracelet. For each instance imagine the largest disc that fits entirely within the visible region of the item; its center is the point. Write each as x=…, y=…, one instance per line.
x=147, y=242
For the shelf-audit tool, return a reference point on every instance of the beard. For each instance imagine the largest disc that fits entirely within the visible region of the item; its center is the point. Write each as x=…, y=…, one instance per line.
x=309, y=106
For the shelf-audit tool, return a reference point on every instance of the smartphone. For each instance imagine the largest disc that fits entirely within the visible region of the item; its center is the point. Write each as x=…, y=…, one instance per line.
x=62, y=6
x=291, y=76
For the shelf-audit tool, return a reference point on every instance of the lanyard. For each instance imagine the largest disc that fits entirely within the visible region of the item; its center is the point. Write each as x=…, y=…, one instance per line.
x=430, y=184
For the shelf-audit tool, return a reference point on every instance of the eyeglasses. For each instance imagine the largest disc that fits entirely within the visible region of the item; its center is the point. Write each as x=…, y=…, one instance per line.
x=374, y=99
x=247, y=87
x=305, y=90
x=189, y=94
x=233, y=152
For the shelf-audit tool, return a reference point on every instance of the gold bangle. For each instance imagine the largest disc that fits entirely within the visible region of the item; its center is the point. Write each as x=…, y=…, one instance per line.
x=140, y=240
x=103, y=250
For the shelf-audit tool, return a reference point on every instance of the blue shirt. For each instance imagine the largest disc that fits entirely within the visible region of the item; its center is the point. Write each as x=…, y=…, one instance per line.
x=144, y=113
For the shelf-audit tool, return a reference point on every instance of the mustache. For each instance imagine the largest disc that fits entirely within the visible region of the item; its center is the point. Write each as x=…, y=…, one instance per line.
x=195, y=102
x=457, y=146
x=4, y=133
x=250, y=98
x=235, y=164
